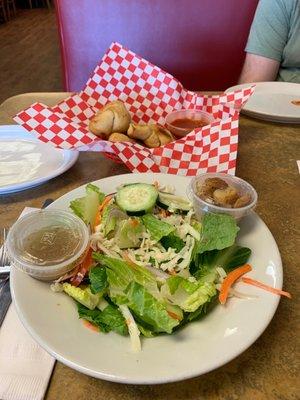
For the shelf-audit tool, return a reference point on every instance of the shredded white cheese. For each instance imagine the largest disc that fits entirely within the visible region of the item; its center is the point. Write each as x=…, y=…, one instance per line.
x=152, y=253
x=133, y=329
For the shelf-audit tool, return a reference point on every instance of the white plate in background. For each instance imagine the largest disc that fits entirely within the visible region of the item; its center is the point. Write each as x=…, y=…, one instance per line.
x=26, y=162
x=52, y=319
x=272, y=101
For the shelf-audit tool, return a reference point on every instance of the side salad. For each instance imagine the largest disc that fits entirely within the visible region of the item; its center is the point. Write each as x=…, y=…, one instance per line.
x=152, y=267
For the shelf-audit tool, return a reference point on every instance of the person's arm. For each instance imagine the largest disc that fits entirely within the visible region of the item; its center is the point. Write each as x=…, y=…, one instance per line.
x=267, y=40
x=259, y=69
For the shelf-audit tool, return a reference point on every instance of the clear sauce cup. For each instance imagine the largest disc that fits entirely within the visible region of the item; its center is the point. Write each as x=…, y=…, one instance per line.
x=47, y=243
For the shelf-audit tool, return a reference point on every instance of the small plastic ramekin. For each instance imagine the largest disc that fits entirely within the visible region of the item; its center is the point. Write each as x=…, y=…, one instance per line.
x=43, y=219
x=190, y=114
x=202, y=207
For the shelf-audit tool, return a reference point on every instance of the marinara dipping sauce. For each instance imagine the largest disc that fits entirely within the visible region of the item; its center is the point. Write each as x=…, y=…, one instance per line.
x=182, y=122
x=187, y=123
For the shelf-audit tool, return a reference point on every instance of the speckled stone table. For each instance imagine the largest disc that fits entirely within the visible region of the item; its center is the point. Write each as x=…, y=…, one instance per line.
x=270, y=368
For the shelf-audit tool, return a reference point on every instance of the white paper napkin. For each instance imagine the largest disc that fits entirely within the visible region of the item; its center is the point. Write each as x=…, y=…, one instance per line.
x=25, y=368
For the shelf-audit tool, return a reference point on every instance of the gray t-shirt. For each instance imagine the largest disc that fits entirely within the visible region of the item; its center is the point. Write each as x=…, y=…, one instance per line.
x=275, y=34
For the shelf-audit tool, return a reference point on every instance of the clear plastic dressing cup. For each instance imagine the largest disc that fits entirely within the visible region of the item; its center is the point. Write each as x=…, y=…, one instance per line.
x=47, y=243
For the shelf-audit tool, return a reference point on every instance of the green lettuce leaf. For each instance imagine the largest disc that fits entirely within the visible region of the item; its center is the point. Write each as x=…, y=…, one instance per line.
x=175, y=281
x=91, y=316
x=120, y=274
x=83, y=296
x=196, y=225
x=129, y=233
x=156, y=227
x=98, y=279
x=218, y=232
x=145, y=331
x=233, y=257
x=110, y=319
x=112, y=215
x=136, y=287
x=86, y=207
x=203, y=309
x=149, y=309
x=189, y=296
x=172, y=241
x=205, y=264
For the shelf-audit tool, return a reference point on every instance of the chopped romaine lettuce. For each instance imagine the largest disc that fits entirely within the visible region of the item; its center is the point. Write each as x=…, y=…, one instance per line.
x=137, y=288
x=98, y=279
x=112, y=215
x=149, y=309
x=186, y=294
x=86, y=207
x=202, y=310
x=204, y=265
x=90, y=188
x=129, y=233
x=91, y=316
x=218, y=232
x=196, y=225
x=113, y=318
x=120, y=274
x=172, y=241
x=110, y=319
x=233, y=257
x=83, y=296
x=156, y=227
x=175, y=281
x=145, y=331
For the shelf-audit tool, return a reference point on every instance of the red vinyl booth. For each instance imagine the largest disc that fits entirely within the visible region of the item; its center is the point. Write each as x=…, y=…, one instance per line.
x=200, y=42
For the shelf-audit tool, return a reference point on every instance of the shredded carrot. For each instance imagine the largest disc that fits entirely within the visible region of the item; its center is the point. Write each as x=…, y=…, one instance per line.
x=230, y=279
x=90, y=326
x=172, y=272
x=83, y=269
x=105, y=202
x=173, y=315
x=97, y=219
x=134, y=222
x=101, y=208
x=261, y=285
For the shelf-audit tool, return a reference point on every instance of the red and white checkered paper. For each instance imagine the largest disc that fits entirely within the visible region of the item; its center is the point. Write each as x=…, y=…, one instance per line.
x=149, y=94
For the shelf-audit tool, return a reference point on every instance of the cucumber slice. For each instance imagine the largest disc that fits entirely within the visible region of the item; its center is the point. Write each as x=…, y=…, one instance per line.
x=173, y=203
x=137, y=198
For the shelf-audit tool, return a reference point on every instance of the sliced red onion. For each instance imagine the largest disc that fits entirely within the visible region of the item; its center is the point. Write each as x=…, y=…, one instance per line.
x=157, y=272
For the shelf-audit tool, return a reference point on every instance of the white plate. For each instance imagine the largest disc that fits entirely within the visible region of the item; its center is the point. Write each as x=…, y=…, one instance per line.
x=272, y=101
x=51, y=318
x=26, y=162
